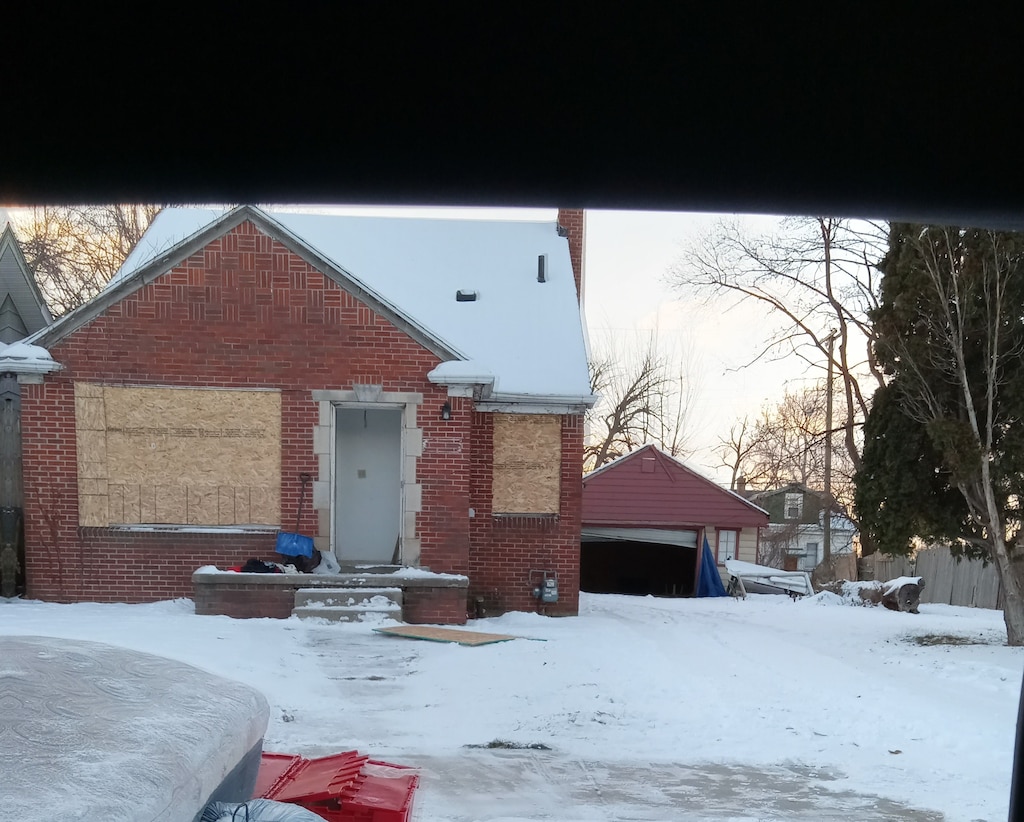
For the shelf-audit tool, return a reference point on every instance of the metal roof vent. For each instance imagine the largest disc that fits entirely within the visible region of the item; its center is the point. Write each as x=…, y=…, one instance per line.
x=542, y=268
x=466, y=296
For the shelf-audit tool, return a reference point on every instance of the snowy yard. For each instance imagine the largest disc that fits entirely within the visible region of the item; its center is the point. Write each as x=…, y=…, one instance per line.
x=651, y=708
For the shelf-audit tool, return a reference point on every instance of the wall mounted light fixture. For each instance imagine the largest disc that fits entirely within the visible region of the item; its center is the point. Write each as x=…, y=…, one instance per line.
x=446, y=411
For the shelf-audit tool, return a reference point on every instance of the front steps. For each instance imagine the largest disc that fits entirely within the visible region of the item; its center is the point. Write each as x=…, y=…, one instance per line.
x=355, y=604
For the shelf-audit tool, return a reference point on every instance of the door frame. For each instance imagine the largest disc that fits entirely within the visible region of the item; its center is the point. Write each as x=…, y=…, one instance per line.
x=325, y=450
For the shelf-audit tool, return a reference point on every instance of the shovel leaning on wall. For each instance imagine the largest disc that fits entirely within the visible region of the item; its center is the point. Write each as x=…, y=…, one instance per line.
x=295, y=544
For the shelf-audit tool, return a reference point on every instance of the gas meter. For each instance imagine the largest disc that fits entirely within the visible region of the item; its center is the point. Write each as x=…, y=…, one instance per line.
x=547, y=590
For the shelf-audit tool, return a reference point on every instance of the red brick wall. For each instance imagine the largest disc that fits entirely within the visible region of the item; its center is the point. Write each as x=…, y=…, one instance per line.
x=245, y=312
x=239, y=596
x=444, y=471
x=506, y=550
x=104, y=565
x=434, y=606
x=245, y=600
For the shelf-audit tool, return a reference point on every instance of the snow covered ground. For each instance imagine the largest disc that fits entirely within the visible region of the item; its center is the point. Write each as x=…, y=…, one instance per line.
x=653, y=709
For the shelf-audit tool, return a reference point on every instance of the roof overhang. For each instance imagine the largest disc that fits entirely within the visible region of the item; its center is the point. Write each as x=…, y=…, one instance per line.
x=536, y=404
x=464, y=378
x=30, y=363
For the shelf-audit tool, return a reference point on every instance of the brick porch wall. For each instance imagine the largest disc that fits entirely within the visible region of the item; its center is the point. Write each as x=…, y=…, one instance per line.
x=243, y=596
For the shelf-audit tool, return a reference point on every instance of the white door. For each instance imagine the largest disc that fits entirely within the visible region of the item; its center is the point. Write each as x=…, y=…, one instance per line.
x=368, y=484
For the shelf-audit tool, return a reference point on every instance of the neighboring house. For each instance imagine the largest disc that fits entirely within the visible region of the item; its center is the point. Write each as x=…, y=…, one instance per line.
x=644, y=517
x=796, y=535
x=416, y=386
x=22, y=312
x=22, y=308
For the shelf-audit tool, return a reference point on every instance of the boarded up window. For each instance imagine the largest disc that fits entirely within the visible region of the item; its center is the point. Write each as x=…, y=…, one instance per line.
x=527, y=463
x=178, y=456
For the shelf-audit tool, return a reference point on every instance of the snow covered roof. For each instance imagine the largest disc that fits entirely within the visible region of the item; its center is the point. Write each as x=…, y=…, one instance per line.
x=522, y=338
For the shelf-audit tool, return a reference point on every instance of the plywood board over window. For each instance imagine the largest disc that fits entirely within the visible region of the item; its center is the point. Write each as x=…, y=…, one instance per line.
x=183, y=456
x=527, y=463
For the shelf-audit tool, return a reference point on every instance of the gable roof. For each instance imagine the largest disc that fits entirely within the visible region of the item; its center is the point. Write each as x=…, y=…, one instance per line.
x=522, y=337
x=649, y=488
x=23, y=310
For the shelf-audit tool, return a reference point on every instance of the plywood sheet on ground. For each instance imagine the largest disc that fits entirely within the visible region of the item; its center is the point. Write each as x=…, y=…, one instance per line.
x=444, y=634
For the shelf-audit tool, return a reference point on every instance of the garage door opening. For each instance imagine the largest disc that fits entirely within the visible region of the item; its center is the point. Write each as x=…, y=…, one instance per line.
x=623, y=566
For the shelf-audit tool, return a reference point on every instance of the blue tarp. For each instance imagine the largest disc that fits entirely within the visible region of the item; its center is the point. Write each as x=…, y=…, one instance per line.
x=294, y=545
x=709, y=583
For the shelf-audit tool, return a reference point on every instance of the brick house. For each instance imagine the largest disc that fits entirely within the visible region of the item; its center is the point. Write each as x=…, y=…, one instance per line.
x=419, y=384
x=646, y=516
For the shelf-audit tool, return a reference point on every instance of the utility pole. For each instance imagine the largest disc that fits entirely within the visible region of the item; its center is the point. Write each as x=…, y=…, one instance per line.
x=826, y=542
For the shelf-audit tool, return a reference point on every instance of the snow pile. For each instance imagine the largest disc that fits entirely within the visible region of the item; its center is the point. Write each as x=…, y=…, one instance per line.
x=830, y=598
x=420, y=573
x=899, y=582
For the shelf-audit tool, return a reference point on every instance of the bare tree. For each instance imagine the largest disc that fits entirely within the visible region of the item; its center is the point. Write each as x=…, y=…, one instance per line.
x=736, y=450
x=790, y=445
x=644, y=399
x=787, y=443
x=816, y=276
x=75, y=250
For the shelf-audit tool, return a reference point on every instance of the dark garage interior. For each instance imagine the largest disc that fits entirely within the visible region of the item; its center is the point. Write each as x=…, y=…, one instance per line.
x=628, y=567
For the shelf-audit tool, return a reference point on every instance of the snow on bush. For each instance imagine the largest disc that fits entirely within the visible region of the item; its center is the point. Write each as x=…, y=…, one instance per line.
x=873, y=592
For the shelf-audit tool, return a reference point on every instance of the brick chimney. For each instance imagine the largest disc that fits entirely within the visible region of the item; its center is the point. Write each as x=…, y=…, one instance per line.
x=573, y=224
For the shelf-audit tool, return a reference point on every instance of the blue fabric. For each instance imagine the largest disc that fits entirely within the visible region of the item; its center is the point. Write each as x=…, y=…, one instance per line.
x=294, y=545
x=709, y=583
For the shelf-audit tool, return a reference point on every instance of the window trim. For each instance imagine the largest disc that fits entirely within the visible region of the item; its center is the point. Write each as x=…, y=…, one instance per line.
x=718, y=543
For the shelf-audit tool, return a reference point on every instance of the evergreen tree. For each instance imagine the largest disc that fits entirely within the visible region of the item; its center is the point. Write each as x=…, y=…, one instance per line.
x=944, y=441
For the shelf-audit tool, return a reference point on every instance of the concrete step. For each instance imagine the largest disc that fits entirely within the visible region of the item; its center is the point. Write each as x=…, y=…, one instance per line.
x=348, y=604
x=353, y=595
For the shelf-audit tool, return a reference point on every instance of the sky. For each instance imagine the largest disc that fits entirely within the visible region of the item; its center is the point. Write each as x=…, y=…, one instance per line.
x=627, y=292
x=652, y=709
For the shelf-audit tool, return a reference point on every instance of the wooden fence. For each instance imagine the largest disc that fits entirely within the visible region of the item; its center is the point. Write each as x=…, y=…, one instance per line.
x=947, y=580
